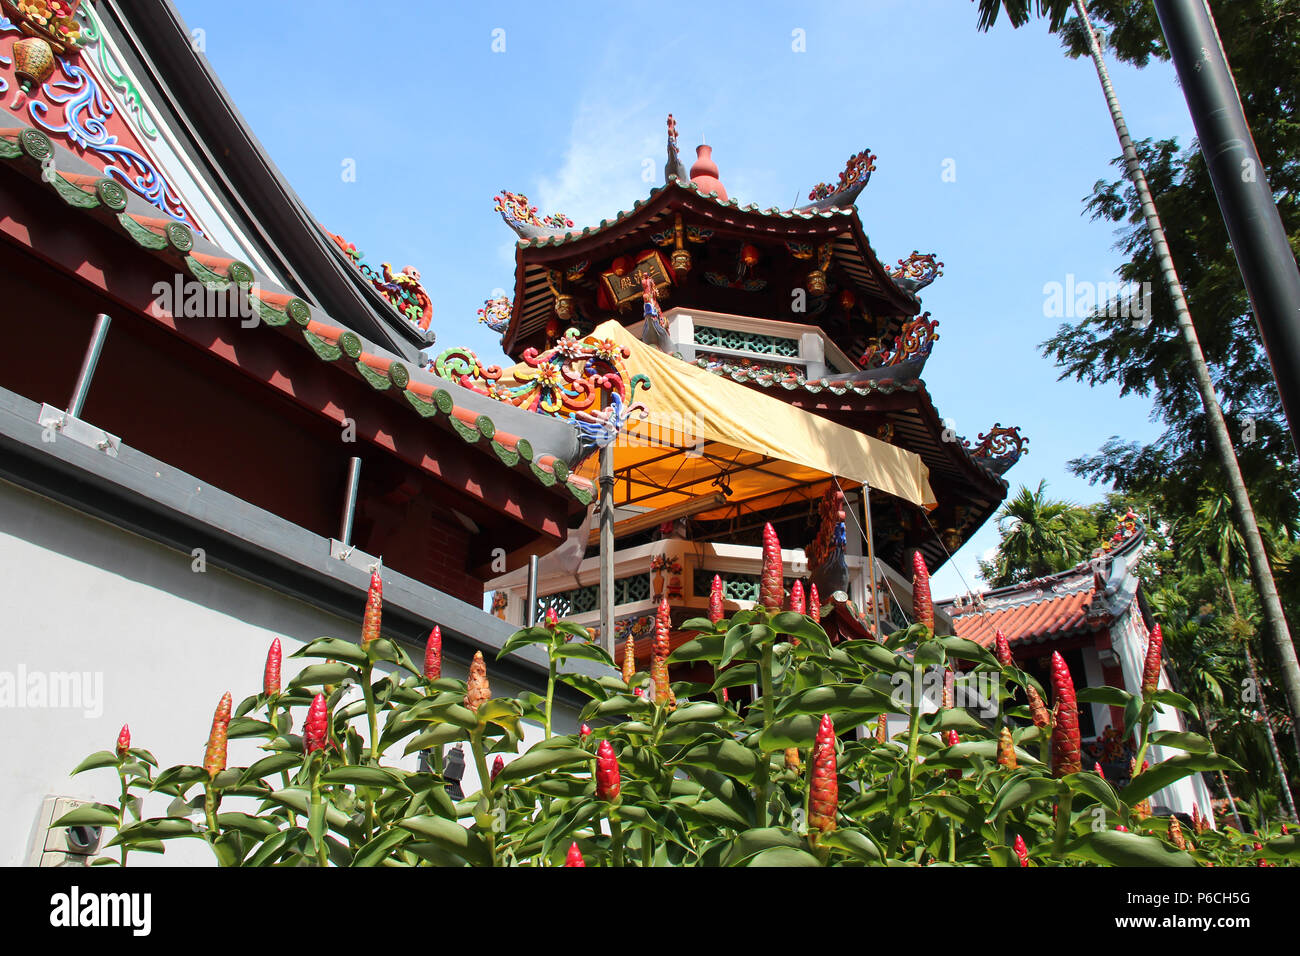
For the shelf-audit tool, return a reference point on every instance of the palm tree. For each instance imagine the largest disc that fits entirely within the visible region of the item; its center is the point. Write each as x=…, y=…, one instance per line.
x=1214, y=542
x=1262, y=574
x=1040, y=535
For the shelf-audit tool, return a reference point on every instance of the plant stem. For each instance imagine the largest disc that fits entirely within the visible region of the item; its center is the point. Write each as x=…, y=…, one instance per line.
x=615, y=838
x=647, y=851
x=322, y=857
x=121, y=809
x=550, y=693
x=764, y=761
x=913, y=742
x=484, y=783
x=210, y=812
x=1062, y=824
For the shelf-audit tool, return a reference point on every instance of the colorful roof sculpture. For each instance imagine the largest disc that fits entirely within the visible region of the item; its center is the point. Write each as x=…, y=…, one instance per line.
x=1083, y=600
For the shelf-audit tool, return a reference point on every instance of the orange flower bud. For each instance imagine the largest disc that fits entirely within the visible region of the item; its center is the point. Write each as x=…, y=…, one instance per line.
x=771, y=588
x=214, y=759
x=1006, y=749
x=478, y=690
x=374, y=608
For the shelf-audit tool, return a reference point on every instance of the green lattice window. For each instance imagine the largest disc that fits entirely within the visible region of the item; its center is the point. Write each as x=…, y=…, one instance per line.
x=635, y=587
x=746, y=341
x=735, y=587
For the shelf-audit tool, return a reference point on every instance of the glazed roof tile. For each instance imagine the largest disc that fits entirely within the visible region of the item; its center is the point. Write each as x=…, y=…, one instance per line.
x=427, y=395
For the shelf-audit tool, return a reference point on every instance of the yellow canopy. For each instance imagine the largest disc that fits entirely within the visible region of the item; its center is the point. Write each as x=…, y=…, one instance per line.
x=706, y=433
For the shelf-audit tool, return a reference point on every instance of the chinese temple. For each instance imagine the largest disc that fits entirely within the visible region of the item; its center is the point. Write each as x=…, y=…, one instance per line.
x=1093, y=614
x=757, y=314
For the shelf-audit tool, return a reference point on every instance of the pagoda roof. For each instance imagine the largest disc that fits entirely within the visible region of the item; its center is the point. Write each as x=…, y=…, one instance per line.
x=543, y=249
x=535, y=445
x=1085, y=599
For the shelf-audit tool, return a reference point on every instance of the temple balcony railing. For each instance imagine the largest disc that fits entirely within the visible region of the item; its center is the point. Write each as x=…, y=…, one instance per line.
x=683, y=571
x=697, y=334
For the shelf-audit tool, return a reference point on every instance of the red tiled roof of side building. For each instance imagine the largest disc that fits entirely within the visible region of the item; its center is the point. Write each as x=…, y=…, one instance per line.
x=1052, y=616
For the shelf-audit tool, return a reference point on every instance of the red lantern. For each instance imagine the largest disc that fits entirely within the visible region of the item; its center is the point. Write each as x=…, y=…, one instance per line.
x=552, y=328
x=748, y=255
x=847, y=299
x=622, y=266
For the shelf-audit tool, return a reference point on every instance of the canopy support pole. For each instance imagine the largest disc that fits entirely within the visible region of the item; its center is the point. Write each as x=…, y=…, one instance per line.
x=871, y=559
x=607, y=547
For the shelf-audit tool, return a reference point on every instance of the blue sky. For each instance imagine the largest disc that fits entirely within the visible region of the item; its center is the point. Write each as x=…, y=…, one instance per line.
x=572, y=110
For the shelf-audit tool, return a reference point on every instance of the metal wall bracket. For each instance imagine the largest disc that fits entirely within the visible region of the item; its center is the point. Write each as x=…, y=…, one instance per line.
x=69, y=426
x=354, y=556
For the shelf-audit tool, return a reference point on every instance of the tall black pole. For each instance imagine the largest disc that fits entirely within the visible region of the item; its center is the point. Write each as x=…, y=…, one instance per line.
x=1255, y=229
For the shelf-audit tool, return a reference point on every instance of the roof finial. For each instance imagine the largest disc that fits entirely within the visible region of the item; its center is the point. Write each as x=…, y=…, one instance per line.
x=704, y=174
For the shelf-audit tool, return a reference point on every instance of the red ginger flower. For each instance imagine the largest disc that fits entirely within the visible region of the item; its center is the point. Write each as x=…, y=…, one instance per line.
x=949, y=687
x=575, y=856
x=374, y=609
x=716, y=612
x=814, y=604
x=477, y=689
x=1006, y=749
x=824, y=788
x=797, y=603
x=1096, y=768
x=497, y=766
x=433, y=654
x=1002, y=648
x=271, y=676
x=1022, y=851
x=214, y=759
x=953, y=739
x=659, y=662
x=552, y=619
x=922, y=607
x=882, y=729
x=314, y=730
x=607, y=778
x=1066, y=751
x=584, y=731
x=771, y=589
x=1151, y=670
x=1037, y=709
x=124, y=741
x=629, y=660
x=1176, y=834
x=1198, y=824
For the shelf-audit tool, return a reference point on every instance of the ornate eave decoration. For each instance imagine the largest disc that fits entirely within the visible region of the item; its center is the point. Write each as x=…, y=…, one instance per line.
x=999, y=448
x=913, y=344
x=402, y=290
x=857, y=172
x=916, y=271
x=523, y=219
x=495, y=313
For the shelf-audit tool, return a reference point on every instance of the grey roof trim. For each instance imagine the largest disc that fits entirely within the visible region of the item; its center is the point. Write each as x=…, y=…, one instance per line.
x=145, y=496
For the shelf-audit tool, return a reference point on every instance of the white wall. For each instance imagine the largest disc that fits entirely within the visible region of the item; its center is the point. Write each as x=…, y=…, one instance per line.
x=159, y=642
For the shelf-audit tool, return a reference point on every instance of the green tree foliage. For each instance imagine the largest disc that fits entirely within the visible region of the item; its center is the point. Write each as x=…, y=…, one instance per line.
x=1038, y=536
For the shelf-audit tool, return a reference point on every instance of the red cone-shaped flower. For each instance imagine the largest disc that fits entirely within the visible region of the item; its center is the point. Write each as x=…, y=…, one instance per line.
x=814, y=604
x=1151, y=670
x=922, y=607
x=1006, y=749
x=1096, y=768
x=797, y=603
x=1066, y=753
x=315, y=729
x=949, y=687
x=663, y=625
x=882, y=729
x=497, y=766
x=124, y=741
x=824, y=796
x=629, y=661
x=575, y=856
x=214, y=759
x=584, y=731
x=271, y=676
x=607, y=778
x=1022, y=851
x=771, y=588
x=433, y=654
x=552, y=619
x=716, y=612
x=374, y=609
x=659, y=662
x=1002, y=648
x=953, y=739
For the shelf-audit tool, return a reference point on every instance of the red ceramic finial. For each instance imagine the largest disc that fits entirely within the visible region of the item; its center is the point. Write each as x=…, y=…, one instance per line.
x=704, y=173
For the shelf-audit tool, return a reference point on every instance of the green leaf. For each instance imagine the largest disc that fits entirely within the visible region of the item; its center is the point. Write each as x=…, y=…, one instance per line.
x=702, y=710
x=784, y=856
x=964, y=649
x=259, y=827
x=736, y=641
x=449, y=835
x=584, y=652
x=737, y=675
x=249, y=727
x=321, y=674
x=1287, y=846
x=854, y=842
x=950, y=718
x=524, y=638
x=333, y=648
x=1182, y=740
x=801, y=626
x=104, y=758
x=856, y=699
x=378, y=849
x=1175, y=700
x=159, y=828
x=875, y=654
x=725, y=756
x=364, y=777
x=90, y=814
x=965, y=812
x=799, y=730
x=750, y=843
x=1168, y=771
x=181, y=776
x=442, y=734
x=707, y=647
x=714, y=812
x=697, y=624
x=1111, y=696
x=1117, y=848
x=1021, y=790
x=543, y=761
x=930, y=654
x=586, y=684
x=1089, y=783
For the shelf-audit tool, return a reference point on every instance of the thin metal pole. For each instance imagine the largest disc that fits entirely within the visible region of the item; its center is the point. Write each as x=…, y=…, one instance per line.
x=88, y=363
x=350, y=501
x=1255, y=229
x=607, y=547
x=531, y=611
x=871, y=559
